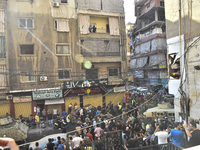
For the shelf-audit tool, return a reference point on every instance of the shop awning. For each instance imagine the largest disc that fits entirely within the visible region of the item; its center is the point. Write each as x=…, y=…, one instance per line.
x=54, y=101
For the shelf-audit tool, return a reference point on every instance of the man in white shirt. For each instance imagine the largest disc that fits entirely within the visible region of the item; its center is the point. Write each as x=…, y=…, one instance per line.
x=76, y=142
x=162, y=134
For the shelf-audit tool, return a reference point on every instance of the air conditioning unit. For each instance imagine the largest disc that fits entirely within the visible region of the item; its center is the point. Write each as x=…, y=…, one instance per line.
x=43, y=78
x=56, y=4
x=9, y=97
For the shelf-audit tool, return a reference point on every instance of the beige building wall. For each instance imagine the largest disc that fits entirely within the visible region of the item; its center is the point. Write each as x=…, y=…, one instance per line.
x=190, y=29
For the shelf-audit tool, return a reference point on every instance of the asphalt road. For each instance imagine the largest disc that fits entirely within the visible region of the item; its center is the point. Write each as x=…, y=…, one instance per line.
x=37, y=134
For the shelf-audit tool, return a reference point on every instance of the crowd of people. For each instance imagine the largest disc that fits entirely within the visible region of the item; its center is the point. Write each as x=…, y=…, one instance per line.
x=93, y=123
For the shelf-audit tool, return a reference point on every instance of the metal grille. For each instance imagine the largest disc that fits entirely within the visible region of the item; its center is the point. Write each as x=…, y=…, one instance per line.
x=5, y=108
x=24, y=109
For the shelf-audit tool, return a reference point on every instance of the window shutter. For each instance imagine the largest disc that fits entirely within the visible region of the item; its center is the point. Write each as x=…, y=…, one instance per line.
x=84, y=24
x=2, y=21
x=63, y=25
x=114, y=26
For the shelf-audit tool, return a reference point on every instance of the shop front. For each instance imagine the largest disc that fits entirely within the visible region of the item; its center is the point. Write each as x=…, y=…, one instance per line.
x=22, y=106
x=4, y=107
x=49, y=100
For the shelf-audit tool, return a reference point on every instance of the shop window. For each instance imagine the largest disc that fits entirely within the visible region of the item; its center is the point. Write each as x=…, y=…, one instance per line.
x=63, y=74
x=27, y=49
x=2, y=47
x=91, y=74
x=62, y=25
x=174, y=66
x=113, y=72
x=28, y=76
x=26, y=23
x=62, y=49
x=2, y=21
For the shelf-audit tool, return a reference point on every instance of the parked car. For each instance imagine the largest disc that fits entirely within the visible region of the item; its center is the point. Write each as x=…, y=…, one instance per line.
x=144, y=92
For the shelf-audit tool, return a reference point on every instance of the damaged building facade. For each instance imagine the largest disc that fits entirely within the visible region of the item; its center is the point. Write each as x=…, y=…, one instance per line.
x=52, y=55
x=148, y=42
x=183, y=42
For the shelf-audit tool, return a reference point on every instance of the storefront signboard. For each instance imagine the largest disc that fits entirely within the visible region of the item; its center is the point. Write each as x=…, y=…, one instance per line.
x=47, y=94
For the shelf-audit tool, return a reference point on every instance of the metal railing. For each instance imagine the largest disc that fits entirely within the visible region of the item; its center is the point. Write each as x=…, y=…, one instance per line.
x=168, y=146
x=100, y=54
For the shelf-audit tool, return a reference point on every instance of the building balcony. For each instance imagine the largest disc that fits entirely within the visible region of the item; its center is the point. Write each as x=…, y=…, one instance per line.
x=149, y=53
x=140, y=2
x=148, y=26
x=100, y=54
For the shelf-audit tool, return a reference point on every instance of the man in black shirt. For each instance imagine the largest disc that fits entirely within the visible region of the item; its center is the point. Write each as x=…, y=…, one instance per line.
x=99, y=144
x=194, y=136
x=50, y=145
x=131, y=142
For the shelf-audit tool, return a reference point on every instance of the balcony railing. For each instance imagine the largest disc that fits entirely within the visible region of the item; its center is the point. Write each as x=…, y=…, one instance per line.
x=100, y=54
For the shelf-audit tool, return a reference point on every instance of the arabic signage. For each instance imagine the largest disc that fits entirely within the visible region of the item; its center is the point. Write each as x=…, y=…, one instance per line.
x=85, y=83
x=85, y=91
x=47, y=94
x=119, y=89
x=22, y=99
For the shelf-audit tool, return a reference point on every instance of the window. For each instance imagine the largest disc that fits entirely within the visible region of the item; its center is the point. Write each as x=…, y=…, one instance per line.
x=162, y=4
x=27, y=49
x=28, y=76
x=2, y=21
x=2, y=47
x=63, y=74
x=26, y=23
x=113, y=72
x=62, y=25
x=91, y=74
x=64, y=1
x=63, y=49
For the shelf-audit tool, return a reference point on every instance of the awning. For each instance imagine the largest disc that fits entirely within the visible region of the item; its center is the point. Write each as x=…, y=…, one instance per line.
x=54, y=101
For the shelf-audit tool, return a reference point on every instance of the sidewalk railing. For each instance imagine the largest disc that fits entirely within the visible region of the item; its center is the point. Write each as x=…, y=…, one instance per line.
x=168, y=146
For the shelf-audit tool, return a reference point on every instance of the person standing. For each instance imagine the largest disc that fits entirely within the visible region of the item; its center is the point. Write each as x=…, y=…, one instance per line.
x=44, y=113
x=70, y=108
x=38, y=110
x=162, y=134
x=194, y=135
x=99, y=144
x=50, y=145
x=37, y=120
x=76, y=142
x=50, y=119
x=37, y=146
x=177, y=135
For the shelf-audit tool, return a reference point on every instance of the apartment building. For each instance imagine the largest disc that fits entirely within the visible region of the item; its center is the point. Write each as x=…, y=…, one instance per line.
x=148, y=42
x=52, y=55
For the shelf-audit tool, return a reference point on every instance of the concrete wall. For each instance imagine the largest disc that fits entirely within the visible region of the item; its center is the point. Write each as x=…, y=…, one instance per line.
x=102, y=5
x=190, y=24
